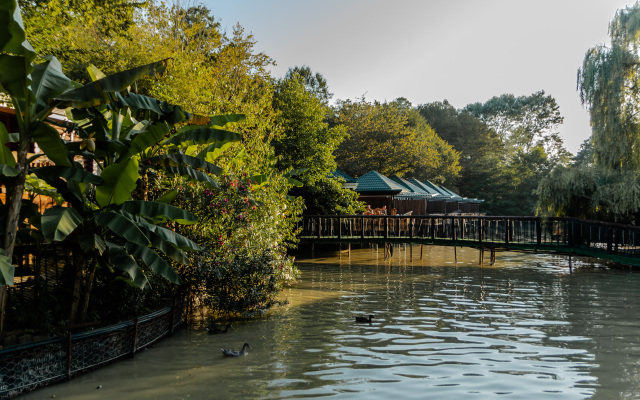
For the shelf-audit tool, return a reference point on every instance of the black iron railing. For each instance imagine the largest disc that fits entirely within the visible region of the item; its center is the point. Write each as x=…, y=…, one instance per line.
x=592, y=238
x=24, y=368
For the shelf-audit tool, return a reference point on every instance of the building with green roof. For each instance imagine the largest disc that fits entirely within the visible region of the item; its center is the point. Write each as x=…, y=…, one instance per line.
x=407, y=195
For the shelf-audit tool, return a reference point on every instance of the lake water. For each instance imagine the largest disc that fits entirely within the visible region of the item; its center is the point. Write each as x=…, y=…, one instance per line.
x=526, y=328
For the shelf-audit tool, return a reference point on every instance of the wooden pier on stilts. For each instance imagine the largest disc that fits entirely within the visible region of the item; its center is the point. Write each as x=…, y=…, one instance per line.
x=616, y=242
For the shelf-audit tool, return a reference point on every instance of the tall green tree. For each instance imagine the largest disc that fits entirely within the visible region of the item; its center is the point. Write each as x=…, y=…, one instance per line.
x=391, y=138
x=308, y=143
x=604, y=180
x=80, y=32
x=481, y=149
x=524, y=122
x=315, y=83
x=608, y=86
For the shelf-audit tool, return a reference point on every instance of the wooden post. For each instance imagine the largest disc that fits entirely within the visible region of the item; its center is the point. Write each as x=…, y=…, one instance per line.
x=339, y=228
x=421, y=247
x=481, y=256
x=538, y=232
x=570, y=263
x=68, y=355
x=135, y=336
x=433, y=230
x=410, y=227
x=362, y=228
x=173, y=316
x=386, y=227
x=506, y=232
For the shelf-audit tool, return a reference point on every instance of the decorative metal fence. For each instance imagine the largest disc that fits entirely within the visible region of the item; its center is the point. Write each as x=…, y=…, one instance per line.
x=592, y=238
x=27, y=367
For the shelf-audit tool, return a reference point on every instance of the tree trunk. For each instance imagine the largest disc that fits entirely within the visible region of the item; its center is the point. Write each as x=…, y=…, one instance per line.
x=87, y=290
x=14, y=203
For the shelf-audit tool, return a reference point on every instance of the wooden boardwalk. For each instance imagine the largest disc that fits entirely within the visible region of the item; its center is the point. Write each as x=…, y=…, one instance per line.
x=616, y=242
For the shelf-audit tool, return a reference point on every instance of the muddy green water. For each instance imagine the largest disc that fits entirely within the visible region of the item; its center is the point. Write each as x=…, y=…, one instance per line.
x=525, y=328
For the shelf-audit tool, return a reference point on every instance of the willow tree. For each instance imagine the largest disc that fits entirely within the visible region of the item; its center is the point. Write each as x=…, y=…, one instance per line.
x=608, y=86
x=604, y=182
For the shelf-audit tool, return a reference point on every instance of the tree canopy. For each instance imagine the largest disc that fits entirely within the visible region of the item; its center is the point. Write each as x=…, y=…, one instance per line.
x=392, y=138
x=307, y=143
x=608, y=86
x=603, y=181
x=524, y=122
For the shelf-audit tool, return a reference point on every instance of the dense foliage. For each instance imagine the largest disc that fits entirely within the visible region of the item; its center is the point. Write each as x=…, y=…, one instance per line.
x=269, y=155
x=392, y=138
x=604, y=181
x=244, y=265
x=308, y=143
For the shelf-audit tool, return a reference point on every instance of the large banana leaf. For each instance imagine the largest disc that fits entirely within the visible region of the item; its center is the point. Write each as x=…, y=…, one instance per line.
x=174, y=253
x=6, y=157
x=148, y=138
x=101, y=91
x=48, y=81
x=50, y=143
x=192, y=174
x=67, y=173
x=15, y=76
x=35, y=185
x=218, y=120
x=213, y=151
x=159, y=212
x=172, y=237
x=6, y=170
x=17, y=55
x=222, y=120
x=119, y=181
x=122, y=226
x=90, y=242
x=12, y=36
x=122, y=260
x=59, y=222
x=176, y=160
x=202, y=135
x=168, y=197
x=154, y=262
x=6, y=269
x=148, y=108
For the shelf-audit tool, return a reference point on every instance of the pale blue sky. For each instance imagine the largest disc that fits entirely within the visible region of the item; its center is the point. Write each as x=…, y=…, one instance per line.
x=460, y=50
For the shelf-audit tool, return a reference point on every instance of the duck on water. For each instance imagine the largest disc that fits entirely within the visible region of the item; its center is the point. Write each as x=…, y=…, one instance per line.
x=365, y=319
x=235, y=353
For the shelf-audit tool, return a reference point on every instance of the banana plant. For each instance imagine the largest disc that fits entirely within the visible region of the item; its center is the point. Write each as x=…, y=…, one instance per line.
x=126, y=139
x=125, y=134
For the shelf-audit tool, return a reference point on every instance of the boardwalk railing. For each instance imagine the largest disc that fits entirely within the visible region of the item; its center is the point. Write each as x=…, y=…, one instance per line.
x=27, y=367
x=616, y=242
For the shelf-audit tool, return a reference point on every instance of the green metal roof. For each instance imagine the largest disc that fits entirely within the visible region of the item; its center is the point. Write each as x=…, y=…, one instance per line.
x=436, y=194
x=341, y=174
x=413, y=190
x=376, y=182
